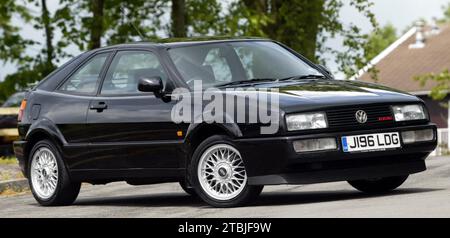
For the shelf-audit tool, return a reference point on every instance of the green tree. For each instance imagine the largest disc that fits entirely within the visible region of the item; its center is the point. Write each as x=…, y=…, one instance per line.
x=442, y=79
x=195, y=18
x=29, y=69
x=86, y=24
x=305, y=26
x=446, y=13
x=90, y=24
x=441, y=90
x=204, y=17
x=301, y=24
x=46, y=22
x=97, y=23
x=379, y=41
x=178, y=18
x=12, y=44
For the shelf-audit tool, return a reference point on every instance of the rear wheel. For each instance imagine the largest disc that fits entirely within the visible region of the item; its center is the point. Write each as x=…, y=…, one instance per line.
x=380, y=185
x=48, y=177
x=219, y=174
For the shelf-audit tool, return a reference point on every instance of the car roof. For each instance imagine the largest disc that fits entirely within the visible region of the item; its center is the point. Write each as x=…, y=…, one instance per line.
x=179, y=42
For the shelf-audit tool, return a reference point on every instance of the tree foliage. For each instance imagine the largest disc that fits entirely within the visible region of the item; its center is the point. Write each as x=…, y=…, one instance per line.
x=12, y=44
x=91, y=24
x=442, y=79
x=378, y=41
x=446, y=13
x=30, y=69
x=441, y=90
x=303, y=25
x=204, y=17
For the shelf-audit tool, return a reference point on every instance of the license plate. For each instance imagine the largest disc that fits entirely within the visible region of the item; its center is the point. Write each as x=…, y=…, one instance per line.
x=371, y=142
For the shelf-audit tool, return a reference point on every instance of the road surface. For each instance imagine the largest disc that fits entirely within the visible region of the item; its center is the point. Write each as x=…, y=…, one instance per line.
x=426, y=194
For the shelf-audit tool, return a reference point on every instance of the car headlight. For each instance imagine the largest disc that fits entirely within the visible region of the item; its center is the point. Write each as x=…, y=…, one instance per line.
x=306, y=121
x=409, y=112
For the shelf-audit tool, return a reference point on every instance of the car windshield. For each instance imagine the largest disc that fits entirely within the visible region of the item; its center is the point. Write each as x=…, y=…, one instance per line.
x=231, y=63
x=14, y=100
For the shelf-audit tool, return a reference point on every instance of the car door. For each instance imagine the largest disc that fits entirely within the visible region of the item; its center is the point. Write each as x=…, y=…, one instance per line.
x=129, y=128
x=67, y=107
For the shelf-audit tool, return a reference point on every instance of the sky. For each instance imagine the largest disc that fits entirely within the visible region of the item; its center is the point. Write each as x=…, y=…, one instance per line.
x=400, y=13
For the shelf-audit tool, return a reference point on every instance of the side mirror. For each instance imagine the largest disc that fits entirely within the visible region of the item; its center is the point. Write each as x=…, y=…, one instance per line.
x=328, y=71
x=151, y=84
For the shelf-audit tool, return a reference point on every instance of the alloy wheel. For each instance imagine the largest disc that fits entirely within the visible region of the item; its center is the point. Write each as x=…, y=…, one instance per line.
x=221, y=172
x=44, y=173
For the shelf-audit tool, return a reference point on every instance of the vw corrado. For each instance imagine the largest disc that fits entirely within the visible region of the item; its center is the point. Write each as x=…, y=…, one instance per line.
x=107, y=115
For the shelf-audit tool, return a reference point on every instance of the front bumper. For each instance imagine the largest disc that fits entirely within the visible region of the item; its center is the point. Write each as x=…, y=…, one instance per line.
x=274, y=161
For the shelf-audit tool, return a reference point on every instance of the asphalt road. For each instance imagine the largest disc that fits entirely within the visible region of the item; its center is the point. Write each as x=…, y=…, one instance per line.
x=426, y=194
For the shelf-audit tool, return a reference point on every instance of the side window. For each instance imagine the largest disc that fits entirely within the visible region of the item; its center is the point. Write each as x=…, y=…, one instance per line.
x=86, y=79
x=218, y=65
x=126, y=69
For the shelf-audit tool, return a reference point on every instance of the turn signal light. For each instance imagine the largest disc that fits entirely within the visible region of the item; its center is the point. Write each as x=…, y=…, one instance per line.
x=23, y=105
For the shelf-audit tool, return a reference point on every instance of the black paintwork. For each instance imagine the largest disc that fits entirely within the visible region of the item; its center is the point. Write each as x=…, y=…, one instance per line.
x=132, y=137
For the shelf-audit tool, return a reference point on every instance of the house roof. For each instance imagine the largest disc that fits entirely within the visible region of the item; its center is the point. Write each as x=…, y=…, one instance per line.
x=398, y=64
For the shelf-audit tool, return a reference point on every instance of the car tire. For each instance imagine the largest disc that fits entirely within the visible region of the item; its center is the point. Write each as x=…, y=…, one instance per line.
x=186, y=189
x=48, y=177
x=222, y=182
x=381, y=185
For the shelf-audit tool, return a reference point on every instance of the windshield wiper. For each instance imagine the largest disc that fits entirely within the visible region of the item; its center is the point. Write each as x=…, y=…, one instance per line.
x=306, y=76
x=255, y=80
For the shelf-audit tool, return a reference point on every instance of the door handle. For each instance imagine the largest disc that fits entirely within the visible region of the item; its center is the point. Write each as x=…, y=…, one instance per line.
x=99, y=106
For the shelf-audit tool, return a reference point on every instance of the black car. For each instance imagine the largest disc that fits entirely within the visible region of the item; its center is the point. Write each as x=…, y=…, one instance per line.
x=108, y=115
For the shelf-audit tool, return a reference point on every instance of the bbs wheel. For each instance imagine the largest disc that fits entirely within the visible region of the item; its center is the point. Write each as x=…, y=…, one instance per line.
x=219, y=174
x=48, y=177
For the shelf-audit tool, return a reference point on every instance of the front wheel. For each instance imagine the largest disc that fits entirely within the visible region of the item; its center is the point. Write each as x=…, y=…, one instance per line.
x=219, y=175
x=48, y=177
x=381, y=185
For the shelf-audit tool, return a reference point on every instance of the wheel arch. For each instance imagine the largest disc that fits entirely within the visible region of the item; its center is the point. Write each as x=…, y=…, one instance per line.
x=42, y=131
x=197, y=133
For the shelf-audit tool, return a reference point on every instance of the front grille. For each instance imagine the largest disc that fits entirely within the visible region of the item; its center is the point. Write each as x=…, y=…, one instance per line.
x=345, y=117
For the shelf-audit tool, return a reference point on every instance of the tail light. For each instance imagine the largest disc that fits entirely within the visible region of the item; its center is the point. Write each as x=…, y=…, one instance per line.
x=23, y=105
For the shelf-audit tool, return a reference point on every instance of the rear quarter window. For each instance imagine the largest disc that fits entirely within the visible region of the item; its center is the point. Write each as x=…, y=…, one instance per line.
x=51, y=81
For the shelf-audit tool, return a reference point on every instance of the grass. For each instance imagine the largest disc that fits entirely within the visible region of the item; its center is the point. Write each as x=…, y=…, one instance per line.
x=12, y=192
x=9, y=176
x=8, y=160
x=6, y=171
x=5, y=176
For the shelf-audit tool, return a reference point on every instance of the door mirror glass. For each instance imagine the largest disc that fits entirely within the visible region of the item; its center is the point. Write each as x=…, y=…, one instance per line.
x=150, y=84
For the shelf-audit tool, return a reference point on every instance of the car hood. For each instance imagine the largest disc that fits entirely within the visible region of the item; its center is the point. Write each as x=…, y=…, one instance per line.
x=307, y=95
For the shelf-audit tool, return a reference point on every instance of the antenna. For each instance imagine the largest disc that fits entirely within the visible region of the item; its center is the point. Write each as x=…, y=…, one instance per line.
x=132, y=24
